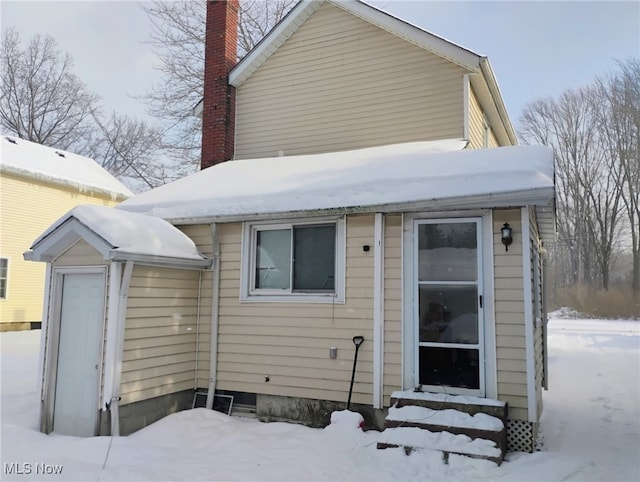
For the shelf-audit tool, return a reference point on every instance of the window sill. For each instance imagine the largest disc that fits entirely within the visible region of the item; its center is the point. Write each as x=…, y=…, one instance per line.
x=294, y=298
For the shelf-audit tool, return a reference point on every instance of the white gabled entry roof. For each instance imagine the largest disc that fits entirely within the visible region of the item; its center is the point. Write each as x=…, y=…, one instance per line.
x=435, y=175
x=119, y=236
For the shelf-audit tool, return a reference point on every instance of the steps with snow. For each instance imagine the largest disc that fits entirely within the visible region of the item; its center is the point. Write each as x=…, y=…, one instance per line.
x=452, y=424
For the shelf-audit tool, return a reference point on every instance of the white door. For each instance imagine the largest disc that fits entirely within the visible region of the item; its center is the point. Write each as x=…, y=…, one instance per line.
x=80, y=336
x=449, y=312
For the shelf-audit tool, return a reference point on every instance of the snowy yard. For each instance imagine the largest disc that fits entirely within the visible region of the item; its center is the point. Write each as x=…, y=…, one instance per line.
x=591, y=427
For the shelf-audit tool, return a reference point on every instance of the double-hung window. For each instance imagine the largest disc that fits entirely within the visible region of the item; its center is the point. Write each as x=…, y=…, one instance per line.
x=302, y=261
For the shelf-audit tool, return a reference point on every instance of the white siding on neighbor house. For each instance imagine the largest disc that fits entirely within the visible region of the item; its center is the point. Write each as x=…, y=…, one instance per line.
x=290, y=342
x=160, y=333
x=477, y=123
x=392, y=306
x=509, y=308
x=340, y=83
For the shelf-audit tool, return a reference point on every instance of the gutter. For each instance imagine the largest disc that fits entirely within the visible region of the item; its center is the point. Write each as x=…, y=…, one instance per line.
x=215, y=310
x=539, y=196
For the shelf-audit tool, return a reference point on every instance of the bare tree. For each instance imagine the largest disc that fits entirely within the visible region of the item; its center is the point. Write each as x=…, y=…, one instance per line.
x=588, y=192
x=44, y=102
x=619, y=95
x=41, y=99
x=177, y=36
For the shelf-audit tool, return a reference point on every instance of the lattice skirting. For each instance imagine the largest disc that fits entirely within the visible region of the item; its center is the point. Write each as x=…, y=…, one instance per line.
x=522, y=436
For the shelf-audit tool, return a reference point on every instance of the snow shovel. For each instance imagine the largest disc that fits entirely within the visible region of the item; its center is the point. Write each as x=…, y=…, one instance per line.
x=357, y=341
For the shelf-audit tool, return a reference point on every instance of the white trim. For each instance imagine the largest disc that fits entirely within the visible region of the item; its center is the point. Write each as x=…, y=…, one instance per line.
x=43, y=330
x=409, y=340
x=115, y=276
x=528, y=315
x=400, y=28
x=466, y=132
x=490, y=351
x=53, y=338
x=378, y=310
x=121, y=320
x=248, y=257
x=215, y=317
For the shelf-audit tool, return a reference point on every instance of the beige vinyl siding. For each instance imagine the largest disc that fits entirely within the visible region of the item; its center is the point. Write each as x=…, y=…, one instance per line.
x=290, y=342
x=27, y=208
x=341, y=83
x=537, y=306
x=392, y=306
x=477, y=123
x=509, y=308
x=201, y=235
x=160, y=333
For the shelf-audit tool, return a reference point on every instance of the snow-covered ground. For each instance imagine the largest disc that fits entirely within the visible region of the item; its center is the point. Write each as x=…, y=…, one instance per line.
x=591, y=427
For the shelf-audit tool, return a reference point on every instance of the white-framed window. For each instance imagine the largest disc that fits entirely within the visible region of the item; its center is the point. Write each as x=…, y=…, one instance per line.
x=4, y=277
x=299, y=261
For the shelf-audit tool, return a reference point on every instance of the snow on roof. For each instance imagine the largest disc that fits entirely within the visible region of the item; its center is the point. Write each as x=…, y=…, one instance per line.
x=130, y=233
x=401, y=176
x=35, y=161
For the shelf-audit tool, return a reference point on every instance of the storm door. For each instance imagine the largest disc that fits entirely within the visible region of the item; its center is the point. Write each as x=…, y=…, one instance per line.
x=448, y=284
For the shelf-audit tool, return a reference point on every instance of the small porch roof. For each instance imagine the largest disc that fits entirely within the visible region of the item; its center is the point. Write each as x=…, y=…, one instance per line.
x=119, y=236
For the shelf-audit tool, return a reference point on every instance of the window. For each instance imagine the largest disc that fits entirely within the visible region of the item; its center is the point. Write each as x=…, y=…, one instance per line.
x=4, y=272
x=301, y=261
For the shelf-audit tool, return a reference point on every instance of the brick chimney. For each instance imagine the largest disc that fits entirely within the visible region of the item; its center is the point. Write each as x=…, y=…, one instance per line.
x=220, y=56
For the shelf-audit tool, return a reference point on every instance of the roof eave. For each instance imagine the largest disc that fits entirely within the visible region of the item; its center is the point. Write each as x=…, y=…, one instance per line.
x=534, y=196
x=492, y=84
x=161, y=261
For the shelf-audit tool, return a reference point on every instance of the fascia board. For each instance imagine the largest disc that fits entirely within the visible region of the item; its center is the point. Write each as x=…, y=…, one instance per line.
x=492, y=84
x=534, y=197
x=163, y=261
x=63, y=237
x=444, y=48
x=272, y=41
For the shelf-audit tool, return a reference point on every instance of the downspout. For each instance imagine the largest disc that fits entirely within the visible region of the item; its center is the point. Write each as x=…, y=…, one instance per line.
x=195, y=380
x=119, y=347
x=215, y=309
x=378, y=310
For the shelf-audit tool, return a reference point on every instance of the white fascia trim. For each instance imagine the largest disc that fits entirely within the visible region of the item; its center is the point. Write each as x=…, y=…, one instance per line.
x=272, y=41
x=378, y=310
x=215, y=317
x=162, y=261
x=63, y=237
x=528, y=316
x=539, y=196
x=46, y=312
x=466, y=108
x=492, y=84
x=411, y=33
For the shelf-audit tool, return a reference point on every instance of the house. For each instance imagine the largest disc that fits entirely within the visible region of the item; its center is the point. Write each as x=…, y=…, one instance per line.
x=38, y=184
x=359, y=203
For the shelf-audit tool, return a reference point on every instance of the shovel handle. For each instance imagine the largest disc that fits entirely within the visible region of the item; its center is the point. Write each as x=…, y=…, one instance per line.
x=357, y=340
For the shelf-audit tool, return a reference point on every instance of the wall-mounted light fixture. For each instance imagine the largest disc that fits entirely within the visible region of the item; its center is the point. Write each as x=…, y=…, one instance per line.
x=507, y=238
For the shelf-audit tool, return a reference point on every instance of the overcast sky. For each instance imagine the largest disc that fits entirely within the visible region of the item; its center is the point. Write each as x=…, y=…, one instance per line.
x=536, y=49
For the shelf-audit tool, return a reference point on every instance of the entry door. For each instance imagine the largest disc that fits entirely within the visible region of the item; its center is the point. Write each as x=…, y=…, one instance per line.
x=449, y=321
x=78, y=367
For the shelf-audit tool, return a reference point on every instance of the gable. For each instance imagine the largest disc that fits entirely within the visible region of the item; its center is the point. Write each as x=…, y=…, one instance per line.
x=340, y=82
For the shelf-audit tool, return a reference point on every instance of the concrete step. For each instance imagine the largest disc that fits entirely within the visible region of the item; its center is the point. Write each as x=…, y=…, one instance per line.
x=414, y=438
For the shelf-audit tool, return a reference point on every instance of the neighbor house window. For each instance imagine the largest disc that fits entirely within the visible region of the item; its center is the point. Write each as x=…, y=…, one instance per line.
x=298, y=261
x=4, y=273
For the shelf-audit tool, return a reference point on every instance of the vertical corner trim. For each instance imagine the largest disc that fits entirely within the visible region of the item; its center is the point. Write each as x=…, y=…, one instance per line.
x=378, y=311
x=528, y=315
